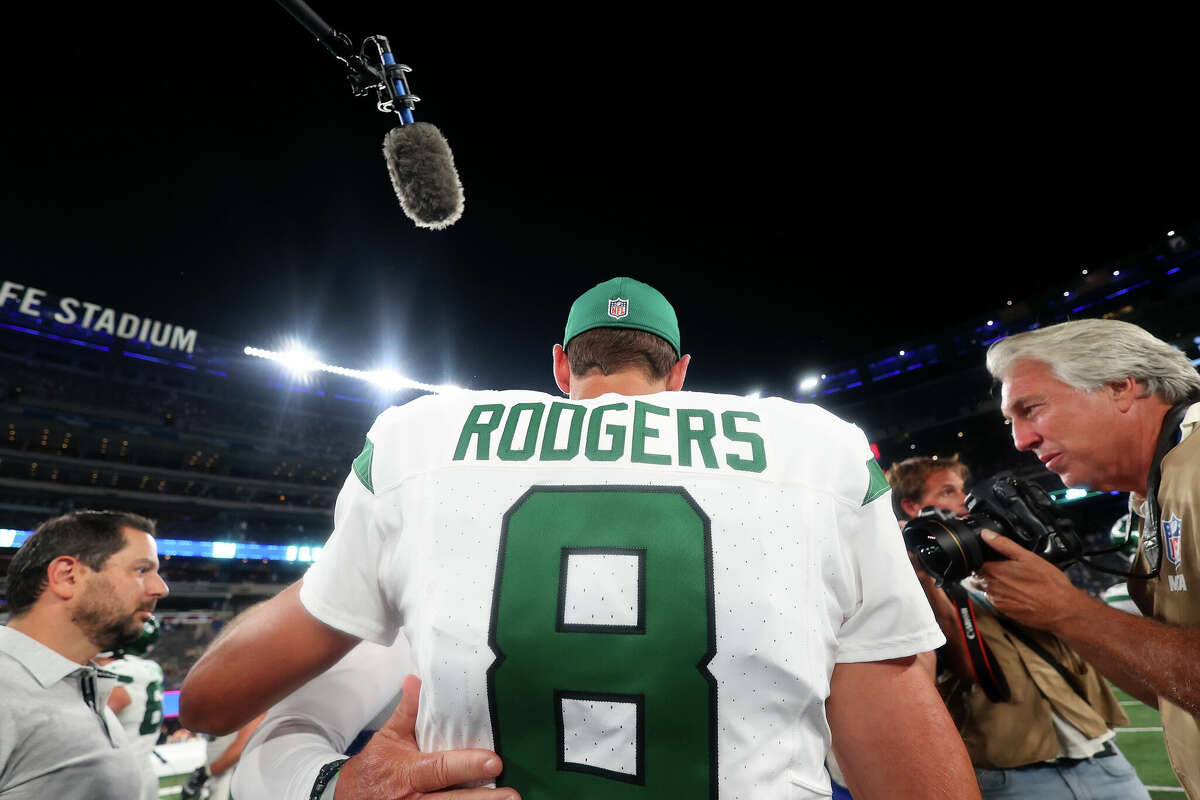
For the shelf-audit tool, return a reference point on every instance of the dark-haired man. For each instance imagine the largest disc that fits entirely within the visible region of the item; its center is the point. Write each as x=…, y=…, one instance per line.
x=82, y=583
x=1038, y=721
x=632, y=592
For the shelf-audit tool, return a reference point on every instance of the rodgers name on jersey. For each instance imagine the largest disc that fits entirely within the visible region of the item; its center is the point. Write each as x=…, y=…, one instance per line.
x=655, y=434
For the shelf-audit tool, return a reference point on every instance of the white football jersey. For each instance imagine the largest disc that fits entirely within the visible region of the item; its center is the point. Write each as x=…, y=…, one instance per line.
x=142, y=718
x=625, y=596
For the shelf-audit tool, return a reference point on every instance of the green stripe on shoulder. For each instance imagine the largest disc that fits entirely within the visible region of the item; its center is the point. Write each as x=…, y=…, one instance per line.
x=879, y=482
x=362, y=465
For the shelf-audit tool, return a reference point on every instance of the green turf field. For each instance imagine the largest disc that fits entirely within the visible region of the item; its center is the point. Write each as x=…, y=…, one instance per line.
x=1142, y=743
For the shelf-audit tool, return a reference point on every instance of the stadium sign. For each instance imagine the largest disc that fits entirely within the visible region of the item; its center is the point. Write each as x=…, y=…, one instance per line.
x=95, y=317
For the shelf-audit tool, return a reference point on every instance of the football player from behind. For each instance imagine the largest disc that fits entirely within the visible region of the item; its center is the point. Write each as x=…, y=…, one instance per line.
x=692, y=598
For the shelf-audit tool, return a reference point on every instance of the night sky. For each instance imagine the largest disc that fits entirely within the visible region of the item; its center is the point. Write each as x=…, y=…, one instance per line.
x=804, y=191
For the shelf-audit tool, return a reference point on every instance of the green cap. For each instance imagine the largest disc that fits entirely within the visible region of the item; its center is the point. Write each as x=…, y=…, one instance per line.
x=623, y=303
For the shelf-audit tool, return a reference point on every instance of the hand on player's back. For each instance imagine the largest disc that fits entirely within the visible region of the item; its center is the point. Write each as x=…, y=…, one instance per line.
x=392, y=766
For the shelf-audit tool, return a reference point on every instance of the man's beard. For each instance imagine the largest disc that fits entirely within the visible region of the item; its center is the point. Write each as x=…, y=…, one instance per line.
x=102, y=620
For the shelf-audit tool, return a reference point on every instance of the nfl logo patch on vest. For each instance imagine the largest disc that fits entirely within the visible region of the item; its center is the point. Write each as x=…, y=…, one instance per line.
x=618, y=308
x=1172, y=530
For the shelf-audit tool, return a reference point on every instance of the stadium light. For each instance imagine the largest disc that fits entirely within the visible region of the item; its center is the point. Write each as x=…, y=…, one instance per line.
x=809, y=383
x=191, y=548
x=301, y=362
x=754, y=394
x=224, y=549
x=387, y=379
x=1071, y=495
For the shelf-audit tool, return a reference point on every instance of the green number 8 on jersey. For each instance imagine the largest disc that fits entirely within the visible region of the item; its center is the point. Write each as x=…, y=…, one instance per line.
x=603, y=627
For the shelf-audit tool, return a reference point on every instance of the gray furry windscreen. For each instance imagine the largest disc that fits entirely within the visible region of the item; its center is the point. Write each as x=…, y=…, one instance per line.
x=423, y=174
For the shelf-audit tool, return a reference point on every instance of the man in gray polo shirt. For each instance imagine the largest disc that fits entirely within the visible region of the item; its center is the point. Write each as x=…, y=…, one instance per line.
x=82, y=583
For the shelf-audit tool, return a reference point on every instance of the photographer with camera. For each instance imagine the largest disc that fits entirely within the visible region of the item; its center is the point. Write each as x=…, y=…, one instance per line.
x=1106, y=405
x=1036, y=718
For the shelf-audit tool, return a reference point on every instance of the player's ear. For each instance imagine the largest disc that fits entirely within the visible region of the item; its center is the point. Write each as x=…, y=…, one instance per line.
x=677, y=374
x=562, y=370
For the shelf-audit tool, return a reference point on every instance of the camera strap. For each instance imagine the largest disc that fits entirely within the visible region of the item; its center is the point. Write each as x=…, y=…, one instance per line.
x=1168, y=437
x=987, y=670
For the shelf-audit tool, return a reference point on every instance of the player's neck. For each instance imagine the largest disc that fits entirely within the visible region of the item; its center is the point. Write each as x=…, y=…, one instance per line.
x=628, y=382
x=57, y=632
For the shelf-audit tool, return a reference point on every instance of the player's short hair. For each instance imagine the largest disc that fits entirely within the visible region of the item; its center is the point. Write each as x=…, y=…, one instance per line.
x=89, y=536
x=612, y=350
x=907, y=478
x=1088, y=353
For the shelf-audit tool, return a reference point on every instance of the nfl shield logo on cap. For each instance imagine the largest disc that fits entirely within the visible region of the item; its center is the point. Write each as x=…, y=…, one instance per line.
x=1172, y=530
x=618, y=308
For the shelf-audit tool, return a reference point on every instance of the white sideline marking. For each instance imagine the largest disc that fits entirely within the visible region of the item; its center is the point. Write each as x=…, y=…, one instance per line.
x=1164, y=788
x=1139, y=730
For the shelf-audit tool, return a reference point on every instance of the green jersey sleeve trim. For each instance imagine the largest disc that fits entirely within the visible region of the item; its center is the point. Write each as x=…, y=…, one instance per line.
x=878, y=485
x=362, y=466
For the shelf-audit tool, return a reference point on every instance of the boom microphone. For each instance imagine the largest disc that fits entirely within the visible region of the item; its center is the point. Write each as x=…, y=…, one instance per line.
x=418, y=157
x=423, y=175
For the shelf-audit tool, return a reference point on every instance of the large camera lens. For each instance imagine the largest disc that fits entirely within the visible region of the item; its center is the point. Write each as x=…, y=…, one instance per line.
x=950, y=548
x=947, y=547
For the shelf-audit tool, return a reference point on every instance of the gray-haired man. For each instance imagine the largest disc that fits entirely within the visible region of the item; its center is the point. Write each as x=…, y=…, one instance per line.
x=1106, y=405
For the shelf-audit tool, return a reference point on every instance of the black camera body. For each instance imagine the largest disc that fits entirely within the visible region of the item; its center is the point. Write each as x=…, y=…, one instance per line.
x=950, y=547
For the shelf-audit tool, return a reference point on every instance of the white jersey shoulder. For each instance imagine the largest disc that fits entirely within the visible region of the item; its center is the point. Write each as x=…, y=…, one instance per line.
x=770, y=439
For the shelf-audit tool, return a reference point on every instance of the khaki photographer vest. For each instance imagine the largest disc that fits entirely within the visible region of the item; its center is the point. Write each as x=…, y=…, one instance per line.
x=1021, y=731
x=1176, y=593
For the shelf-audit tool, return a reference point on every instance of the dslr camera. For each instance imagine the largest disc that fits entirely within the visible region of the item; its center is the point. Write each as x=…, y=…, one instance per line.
x=950, y=547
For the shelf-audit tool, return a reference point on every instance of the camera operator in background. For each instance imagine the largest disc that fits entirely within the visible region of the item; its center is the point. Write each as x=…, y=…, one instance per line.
x=1108, y=406
x=1036, y=718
